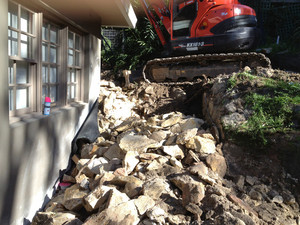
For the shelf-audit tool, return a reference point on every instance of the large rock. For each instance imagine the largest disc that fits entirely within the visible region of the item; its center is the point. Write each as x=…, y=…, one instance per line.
x=143, y=203
x=186, y=135
x=73, y=198
x=114, y=152
x=51, y=218
x=124, y=213
x=116, y=198
x=191, y=123
x=217, y=163
x=130, y=161
x=172, y=120
x=174, y=151
x=202, y=145
x=96, y=198
x=138, y=143
x=155, y=188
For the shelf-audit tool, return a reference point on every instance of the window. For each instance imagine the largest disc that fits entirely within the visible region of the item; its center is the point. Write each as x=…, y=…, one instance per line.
x=74, y=65
x=21, y=58
x=50, y=45
x=45, y=60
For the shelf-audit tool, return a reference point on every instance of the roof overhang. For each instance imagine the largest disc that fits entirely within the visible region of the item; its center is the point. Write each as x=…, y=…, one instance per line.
x=90, y=15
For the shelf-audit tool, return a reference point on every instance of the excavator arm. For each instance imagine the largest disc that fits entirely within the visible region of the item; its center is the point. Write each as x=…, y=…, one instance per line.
x=162, y=15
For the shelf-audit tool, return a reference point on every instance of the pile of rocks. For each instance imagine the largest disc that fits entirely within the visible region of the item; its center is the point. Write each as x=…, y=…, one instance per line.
x=164, y=169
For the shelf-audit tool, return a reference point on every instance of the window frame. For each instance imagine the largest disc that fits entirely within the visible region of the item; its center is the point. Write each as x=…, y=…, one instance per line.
x=30, y=60
x=50, y=64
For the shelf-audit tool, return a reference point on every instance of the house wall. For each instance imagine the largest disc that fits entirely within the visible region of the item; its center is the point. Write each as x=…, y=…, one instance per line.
x=4, y=126
x=35, y=148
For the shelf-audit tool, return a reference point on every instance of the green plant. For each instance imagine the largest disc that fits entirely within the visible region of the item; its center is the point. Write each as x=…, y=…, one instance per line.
x=135, y=48
x=235, y=79
x=271, y=106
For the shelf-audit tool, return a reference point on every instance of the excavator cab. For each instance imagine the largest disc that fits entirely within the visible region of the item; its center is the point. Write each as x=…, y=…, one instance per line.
x=183, y=18
x=203, y=26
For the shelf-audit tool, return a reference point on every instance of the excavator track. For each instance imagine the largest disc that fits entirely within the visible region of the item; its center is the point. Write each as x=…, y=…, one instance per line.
x=192, y=67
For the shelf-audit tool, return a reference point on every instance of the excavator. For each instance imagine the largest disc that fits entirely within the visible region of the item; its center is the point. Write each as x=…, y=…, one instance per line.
x=202, y=38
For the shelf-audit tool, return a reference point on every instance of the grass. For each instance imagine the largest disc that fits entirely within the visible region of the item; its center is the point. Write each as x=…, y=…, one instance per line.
x=271, y=105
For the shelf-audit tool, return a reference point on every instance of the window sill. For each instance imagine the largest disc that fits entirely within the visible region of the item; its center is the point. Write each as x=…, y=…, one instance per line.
x=39, y=115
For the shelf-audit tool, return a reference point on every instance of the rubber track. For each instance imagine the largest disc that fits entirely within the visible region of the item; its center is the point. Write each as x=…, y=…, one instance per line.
x=260, y=58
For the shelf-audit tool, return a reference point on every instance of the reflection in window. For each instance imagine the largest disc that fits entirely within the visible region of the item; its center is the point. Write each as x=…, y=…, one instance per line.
x=22, y=98
x=12, y=43
x=50, y=58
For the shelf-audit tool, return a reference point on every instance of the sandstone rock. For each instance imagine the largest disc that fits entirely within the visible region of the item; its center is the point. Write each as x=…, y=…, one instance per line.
x=124, y=213
x=143, y=203
x=96, y=198
x=133, y=189
x=67, y=178
x=148, y=156
x=114, y=152
x=53, y=218
x=186, y=135
x=251, y=180
x=202, y=145
x=171, y=140
x=278, y=199
x=123, y=180
x=56, y=204
x=156, y=214
x=159, y=135
x=172, y=120
x=174, y=162
x=73, y=198
x=130, y=161
x=96, y=164
x=154, y=165
x=174, y=151
x=240, y=181
x=241, y=203
x=115, y=198
x=217, y=163
x=155, y=188
x=137, y=143
x=201, y=170
x=192, y=193
x=191, y=123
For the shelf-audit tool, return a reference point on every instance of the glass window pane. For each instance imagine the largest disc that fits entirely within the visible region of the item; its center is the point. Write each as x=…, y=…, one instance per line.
x=10, y=72
x=77, y=58
x=45, y=32
x=11, y=99
x=73, y=76
x=73, y=92
x=53, y=93
x=68, y=93
x=44, y=93
x=26, y=21
x=22, y=73
x=26, y=44
x=53, y=74
x=53, y=53
x=45, y=74
x=77, y=42
x=71, y=57
x=71, y=41
x=45, y=52
x=12, y=43
x=13, y=15
x=22, y=98
x=53, y=34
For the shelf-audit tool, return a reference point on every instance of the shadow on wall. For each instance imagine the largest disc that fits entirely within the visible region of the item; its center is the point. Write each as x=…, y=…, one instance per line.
x=39, y=149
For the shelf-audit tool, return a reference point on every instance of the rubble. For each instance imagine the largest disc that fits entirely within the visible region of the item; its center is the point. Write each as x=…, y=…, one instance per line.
x=164, y=169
